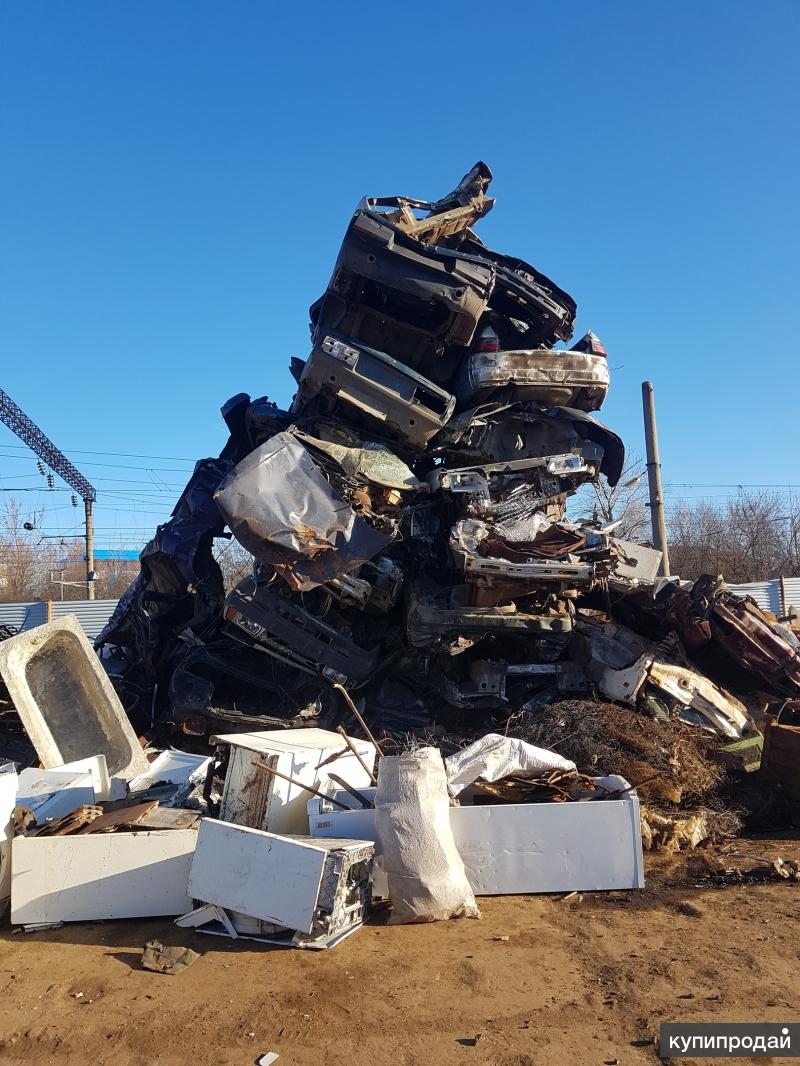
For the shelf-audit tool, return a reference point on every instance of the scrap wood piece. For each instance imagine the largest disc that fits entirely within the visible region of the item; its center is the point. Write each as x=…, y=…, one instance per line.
x=68, y=824
x=120, y=819
x=24, y=819
x=168, y=818
x=557, y=787
x=170, y=961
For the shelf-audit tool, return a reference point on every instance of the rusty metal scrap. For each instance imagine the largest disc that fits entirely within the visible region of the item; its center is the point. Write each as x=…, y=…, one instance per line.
x=708, y=614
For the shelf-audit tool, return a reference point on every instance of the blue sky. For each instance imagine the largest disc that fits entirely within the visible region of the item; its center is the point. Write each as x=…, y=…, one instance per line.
x=176, y=178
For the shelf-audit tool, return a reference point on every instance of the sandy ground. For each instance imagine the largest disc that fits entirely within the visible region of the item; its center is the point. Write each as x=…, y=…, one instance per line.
x=584, y=980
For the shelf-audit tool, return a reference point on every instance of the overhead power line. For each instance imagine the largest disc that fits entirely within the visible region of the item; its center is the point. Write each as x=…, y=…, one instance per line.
x=116, y=455
x=29, y=433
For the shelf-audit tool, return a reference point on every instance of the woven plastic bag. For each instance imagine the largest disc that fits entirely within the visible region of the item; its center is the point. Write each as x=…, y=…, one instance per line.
x=427, y=880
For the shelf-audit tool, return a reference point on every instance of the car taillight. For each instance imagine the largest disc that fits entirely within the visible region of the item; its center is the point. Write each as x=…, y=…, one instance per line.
x=488, y=341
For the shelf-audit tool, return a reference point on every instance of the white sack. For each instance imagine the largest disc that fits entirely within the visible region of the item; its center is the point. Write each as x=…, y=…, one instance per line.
x=427, y=881
x=494, y=757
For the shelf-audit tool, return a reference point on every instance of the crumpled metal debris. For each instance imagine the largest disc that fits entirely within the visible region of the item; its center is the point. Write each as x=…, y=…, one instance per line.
x=170, y=960
x=710, y=618
x=279, y=505
x=407, y=520
x=628, y=669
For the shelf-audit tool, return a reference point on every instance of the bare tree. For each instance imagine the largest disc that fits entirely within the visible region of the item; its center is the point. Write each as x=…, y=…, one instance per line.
x=23, y=558
x=67, y=577
x=625, y=503
x=114, y=577
x=790, y=564
x=751, y=537
x=33, y=567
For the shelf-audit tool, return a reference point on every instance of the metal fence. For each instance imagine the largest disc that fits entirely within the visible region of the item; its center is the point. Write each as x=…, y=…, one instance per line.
x=92, y=614
x=778, y=596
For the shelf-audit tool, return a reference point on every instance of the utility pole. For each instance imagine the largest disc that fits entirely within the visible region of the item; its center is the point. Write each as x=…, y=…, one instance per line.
x=657, y=519
x=87, y=508
x=30, y=434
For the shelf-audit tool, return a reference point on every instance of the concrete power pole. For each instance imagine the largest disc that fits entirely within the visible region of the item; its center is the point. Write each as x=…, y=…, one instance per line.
x=87, y=506
x=657, y=519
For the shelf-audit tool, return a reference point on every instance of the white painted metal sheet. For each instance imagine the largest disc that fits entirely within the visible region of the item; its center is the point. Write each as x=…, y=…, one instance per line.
x=768, y=595
x=270, y=740
x=511, y=849
x=791, y=588
x=103, y=875
x=53, y=793
x=23, y=615
x=260, y=874
x=92, y=614
x=98, y=768
x=173, y=766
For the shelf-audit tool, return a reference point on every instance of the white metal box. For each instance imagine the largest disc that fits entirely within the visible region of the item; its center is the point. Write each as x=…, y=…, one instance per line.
x=53, y=793
x=103, y=875
x=254, y=797
x=319, y=887
x=520, y=848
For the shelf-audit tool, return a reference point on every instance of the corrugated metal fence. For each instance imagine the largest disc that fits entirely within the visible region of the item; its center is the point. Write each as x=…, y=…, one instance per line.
x=766, y=594
x=778, y=596
x=92, y=614
x=23, y=615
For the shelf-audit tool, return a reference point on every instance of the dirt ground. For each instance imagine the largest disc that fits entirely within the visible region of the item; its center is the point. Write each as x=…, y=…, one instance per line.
x=584, y=980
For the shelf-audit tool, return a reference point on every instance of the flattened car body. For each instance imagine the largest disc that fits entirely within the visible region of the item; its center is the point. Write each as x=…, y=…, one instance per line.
x=492, y=432
x=363, y=381
x=286, y=630
x=553, y=377
x=709, y=617
x=392, y=293
x=529, y=309
x=435, y=615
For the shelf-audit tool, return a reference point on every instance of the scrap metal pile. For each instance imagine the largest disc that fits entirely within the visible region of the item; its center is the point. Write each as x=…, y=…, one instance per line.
x=406, y=518
x=414, y=569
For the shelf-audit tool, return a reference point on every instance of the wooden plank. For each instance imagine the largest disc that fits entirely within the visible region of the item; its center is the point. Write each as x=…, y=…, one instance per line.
x=123, y=816
x=68, y=824
x=169, y=818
